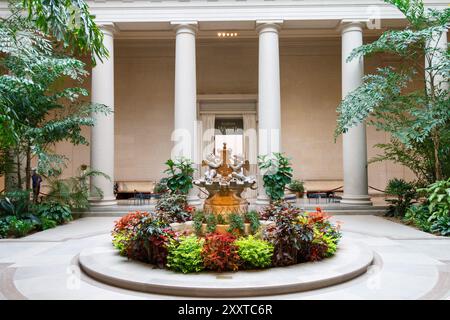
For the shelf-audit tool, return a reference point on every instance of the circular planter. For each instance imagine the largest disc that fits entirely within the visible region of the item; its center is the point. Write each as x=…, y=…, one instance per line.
x=106, y=265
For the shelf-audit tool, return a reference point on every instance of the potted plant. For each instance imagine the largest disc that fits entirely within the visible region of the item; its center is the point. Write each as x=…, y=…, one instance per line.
x=298, y=187
x=277, y=174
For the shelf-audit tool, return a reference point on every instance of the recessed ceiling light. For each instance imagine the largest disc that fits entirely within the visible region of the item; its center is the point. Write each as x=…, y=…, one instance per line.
x=227, y=34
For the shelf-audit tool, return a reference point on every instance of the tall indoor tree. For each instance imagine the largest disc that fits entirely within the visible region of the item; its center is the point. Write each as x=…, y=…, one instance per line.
x=418, y=120
x=36, y=111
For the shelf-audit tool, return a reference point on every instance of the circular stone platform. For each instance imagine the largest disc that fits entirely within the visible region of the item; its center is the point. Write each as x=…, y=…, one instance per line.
x=106, y=265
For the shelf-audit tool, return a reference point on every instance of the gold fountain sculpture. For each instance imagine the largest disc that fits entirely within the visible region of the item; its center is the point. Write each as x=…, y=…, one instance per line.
x=225, y=181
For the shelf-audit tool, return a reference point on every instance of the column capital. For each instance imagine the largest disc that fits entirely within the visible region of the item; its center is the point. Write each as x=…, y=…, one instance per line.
x=268, y=25
x=352, y=25
x=185, y=26
x=108, y=28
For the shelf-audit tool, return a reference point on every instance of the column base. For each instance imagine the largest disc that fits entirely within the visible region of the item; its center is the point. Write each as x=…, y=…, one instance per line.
x=105, y=201
x=362, y=200
x=193, y=199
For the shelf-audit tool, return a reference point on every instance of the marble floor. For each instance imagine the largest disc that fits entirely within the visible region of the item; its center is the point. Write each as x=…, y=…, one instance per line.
x=409, y=264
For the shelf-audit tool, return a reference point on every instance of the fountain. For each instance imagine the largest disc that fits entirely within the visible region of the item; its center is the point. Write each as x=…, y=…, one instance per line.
x=225, y=181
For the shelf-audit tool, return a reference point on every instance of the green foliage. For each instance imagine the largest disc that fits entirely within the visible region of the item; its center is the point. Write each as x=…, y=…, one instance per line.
x=16, y=203
x=161, y=186
x=236, y=222
x=438, y=196
x=434, y=214
x=19, y=227
x=173, y=207
x=185, y=254
x=47, y=223
x=419, y=158
x=149, y=236
x=4, y=228
x=404, y=192
x=253, y=218
x=441, y=226
x=54, y=211
x=286, y=236
x=180, y=173
x=211, y=222
x=296, y=186
x=331, y=243
x=36, y=109
x=277, y=173
x=75, y=191
x=418, y=216
x=122, y=240
x=220, y=219
x=418, y=120
x=70, y=22
x=198, y=221
x=298, y=236
x=254, y=253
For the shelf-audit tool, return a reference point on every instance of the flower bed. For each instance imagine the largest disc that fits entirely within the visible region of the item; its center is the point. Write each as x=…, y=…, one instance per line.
x=292, y=237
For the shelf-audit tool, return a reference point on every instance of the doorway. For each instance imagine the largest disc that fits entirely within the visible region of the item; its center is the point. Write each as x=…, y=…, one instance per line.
x=230, y=118
x=229, y=130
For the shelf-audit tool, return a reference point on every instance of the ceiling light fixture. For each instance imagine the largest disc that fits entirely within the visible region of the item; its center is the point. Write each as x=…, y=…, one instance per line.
x=227, y=34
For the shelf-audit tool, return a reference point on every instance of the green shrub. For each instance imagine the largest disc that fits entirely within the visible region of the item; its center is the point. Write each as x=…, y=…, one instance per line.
x=173, y=207
x=185, y=254
x=419, y=216
x=404, y=192
x=211, y=223
x=255, y=253
x=18, y=227
x=55, y=211
x=161, y=186
x=198, y=221
x=150, y=240
x=297, y=186
x=331, y=243
x=237, y=225
x=252, y=217
x=75, y=191
x=121, y=241
x=4, y=228
x=438, y=197
x=47, y=223
x=441, y=226
x=434, y=214
x=180, y=173
x=220, y=219
x=18, y=204
x=277, y=173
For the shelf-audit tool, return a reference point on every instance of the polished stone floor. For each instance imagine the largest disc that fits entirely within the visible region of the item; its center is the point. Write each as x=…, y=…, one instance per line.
x=409, y=264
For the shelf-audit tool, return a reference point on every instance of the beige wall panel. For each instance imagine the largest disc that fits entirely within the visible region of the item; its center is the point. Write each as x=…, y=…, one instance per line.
x=310, y=89
x=227, y=67
x=144, y=79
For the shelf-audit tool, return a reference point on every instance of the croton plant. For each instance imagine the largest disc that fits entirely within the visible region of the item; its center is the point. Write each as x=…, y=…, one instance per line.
x=294, y=236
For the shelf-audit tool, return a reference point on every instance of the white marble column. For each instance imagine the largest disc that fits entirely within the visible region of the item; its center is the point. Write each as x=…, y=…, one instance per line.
x=354, y=141
x=102, y=134
x=184, y=135
x=269, y=110
x=436, y=48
